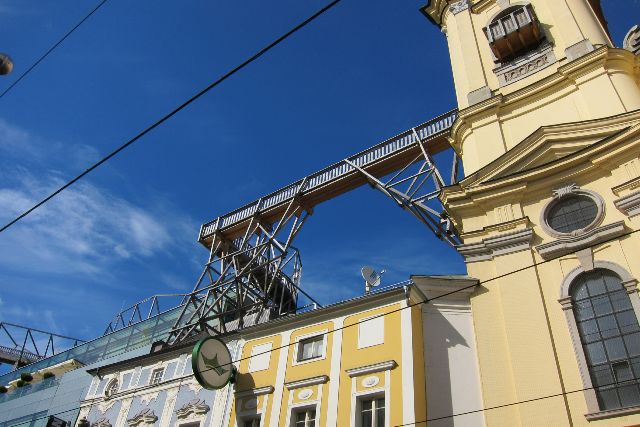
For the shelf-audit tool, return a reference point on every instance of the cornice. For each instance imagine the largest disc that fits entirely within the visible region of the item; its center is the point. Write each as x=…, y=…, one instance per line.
x=474, y=188
x=558, y=248
x=523, y=223
x=434, y=10
x=501, y=244
x=371, y=369
x=307, y=382
x=629, y=205
x=632, y=184
x=566, y=75
x=596, y=129
x=255, y=391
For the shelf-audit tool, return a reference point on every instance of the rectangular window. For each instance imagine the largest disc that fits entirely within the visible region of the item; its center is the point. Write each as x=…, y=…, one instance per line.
x=156, y=376
x=372, y=412
x=310, y=348
x=304, y=417
x=251, y=422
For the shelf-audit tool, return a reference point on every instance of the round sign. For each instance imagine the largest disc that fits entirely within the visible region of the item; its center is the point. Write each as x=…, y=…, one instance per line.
x=211, y=361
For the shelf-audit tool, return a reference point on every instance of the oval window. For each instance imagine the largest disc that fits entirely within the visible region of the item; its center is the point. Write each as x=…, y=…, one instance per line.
x=571, y=213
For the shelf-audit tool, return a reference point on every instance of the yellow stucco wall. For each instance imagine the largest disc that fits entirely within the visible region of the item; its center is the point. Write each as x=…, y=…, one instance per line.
x=517, y=146
x=570, y=89
x=349, y=386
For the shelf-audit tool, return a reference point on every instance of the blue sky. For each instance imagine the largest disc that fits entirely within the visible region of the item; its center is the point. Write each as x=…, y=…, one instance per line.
x=363, y=72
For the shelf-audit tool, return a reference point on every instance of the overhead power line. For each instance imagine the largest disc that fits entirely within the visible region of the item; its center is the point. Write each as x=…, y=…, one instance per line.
x=52, y=48
x=427, y=301
x=173, y=112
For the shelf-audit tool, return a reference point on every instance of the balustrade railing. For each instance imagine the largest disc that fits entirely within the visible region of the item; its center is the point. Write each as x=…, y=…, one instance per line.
x=427, y=130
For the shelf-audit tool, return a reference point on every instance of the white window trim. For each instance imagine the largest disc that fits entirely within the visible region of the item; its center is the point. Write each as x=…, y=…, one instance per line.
x=630, y=284
x=358, y=396
x=366, y=396
x=303, y=406
x=559, y=194
x=310, y=403
x=154, y=370
x=363, y=321
x=299, y=338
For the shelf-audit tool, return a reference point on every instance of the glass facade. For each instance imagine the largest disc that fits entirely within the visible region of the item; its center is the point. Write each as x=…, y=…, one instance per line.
x=116, y=343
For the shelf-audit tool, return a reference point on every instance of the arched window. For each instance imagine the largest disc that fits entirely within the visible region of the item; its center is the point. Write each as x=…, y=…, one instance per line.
x=610, y=336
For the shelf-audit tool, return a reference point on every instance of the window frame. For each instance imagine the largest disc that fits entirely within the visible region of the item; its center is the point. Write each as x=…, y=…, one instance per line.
x=559, y=195
x=295, y=410
x=153, y=372
x=298, y=347
x=631, y=285
x=374, y=395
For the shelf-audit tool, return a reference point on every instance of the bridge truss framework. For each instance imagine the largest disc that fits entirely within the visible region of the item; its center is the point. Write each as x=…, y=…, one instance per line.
x=253, y=271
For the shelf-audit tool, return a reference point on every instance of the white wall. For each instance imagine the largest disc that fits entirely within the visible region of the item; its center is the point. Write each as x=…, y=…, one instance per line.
x=451, y=366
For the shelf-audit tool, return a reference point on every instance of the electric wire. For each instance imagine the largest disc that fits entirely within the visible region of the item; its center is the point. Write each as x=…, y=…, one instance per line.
x=444, y=295
x=426, y=301
x=52, y=48
x=173, y=112
x=506, y=405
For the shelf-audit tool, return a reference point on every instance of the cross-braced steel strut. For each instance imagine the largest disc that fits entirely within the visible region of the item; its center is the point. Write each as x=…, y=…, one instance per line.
x=253, y=272
x=247, y=280
x=416, y=185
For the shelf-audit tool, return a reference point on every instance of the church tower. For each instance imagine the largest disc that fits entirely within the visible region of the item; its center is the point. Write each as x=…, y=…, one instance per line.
x=549, y=135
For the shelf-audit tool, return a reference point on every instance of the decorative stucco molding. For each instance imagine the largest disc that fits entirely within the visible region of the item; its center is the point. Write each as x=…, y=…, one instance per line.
x=192, y=408
x=602, y=415
x=632, y=40
x=101, y=422
x=105, y=405
x=629, y=205
x=143, y=418
x=147, y=398
x=501, y=244
x=459, y=6
x=476, y=96
x=526, y=65
x=579, y=49
x=195, y=387
x=574, y=243
x=370, y=369
x=255, y=392
x=307, y=382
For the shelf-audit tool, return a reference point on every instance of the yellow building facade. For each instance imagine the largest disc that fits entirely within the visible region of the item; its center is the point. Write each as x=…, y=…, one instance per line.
x=542, y=331
x=549, y=135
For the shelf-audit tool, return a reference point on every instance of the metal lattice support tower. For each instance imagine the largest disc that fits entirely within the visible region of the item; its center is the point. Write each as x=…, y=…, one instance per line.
x=246, y=280
x=253, y=272
x=27, y=345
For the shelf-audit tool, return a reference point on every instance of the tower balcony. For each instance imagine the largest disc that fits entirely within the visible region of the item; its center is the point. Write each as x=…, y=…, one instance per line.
x=514, y=32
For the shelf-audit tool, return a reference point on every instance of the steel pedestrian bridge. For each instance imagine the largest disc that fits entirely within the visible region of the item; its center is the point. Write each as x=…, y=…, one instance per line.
x=253, y=271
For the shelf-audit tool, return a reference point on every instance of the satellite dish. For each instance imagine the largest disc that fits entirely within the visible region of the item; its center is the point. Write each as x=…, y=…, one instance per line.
x=6, y=64
x=371, y=277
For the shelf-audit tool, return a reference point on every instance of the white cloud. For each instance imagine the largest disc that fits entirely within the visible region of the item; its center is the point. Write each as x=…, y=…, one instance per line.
x=85, y=228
